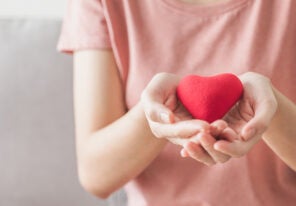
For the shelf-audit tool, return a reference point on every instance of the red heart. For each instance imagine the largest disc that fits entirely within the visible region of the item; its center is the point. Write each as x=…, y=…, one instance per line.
x=209, y=98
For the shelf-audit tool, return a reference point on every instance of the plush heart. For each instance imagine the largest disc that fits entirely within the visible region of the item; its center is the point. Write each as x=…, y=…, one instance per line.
x=209, y=98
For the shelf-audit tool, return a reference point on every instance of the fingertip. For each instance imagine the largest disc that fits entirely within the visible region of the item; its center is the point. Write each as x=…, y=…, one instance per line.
x=217, y=127
x=229, y=134
x=220, y=123
x=216, y=146
x=184, y=153
x=220, y=146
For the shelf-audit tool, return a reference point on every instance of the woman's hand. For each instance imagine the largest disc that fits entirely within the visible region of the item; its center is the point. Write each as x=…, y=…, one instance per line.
x=166, y=116
x=246, y=121
x=168, y=119
x=240, y=129
x=250, y=118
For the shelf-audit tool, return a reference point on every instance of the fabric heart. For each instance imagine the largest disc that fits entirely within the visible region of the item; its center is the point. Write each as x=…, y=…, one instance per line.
x=209, y=98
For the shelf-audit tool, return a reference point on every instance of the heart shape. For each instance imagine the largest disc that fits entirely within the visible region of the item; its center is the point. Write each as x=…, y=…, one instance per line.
x=209, y=98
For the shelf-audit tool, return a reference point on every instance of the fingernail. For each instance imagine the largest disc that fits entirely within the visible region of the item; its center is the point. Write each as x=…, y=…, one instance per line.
x=183, y=153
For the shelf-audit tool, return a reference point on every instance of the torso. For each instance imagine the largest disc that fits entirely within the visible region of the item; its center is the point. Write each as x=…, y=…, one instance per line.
x=151, y=36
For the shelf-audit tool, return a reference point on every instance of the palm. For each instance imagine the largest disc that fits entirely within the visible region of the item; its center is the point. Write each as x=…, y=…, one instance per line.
x=180, y=112
x=239, y=115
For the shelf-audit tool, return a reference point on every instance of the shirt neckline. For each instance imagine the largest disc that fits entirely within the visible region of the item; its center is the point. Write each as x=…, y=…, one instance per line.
x=207, y=10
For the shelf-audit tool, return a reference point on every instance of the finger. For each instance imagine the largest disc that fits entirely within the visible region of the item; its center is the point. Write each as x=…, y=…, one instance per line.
x=259, y=123
x=207, y=142
x=217, y=127
x=158, y=113
x=177, y=140
x=154, y=108
x=196, y=152
x=184, y=153
x=171, y=102
x=183, y=129
x=161, y=89
x=229, y=134
x=236, y=148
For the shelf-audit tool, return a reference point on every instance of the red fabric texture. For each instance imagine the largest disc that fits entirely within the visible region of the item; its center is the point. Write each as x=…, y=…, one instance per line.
x=209, y=98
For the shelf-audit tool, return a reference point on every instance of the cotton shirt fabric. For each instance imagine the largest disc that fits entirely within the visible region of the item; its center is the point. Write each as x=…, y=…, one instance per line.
x=236, y=36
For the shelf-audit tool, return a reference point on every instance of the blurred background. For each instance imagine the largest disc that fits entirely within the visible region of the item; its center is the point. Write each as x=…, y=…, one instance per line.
x=37, y=150
x=50, y=9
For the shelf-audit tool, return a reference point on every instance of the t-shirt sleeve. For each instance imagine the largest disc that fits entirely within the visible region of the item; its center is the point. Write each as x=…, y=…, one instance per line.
x=84, y=27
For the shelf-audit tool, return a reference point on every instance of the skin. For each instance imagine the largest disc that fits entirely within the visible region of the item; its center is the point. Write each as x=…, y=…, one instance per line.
x=109, y=136
x=262, y=114
x=108, y=154
x=101, y=122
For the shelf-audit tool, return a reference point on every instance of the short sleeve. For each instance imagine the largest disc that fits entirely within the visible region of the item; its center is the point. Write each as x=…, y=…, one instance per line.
x=84, y=27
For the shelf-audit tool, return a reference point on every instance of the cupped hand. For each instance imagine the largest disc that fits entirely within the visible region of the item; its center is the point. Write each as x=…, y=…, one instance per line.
x=166, y=116
x=250, y=118
x=168, y=119
x=244, y=124
x=233, y=136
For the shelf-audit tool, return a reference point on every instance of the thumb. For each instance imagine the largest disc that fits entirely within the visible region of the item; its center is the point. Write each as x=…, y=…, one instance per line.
x=159, y=113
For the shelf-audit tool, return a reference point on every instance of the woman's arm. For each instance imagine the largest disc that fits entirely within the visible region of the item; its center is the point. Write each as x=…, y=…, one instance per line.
x=263, y=112
x=112, y=146
x=281, y=133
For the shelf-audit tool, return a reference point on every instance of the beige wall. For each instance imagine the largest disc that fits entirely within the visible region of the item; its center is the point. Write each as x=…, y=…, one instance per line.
x=32, y=8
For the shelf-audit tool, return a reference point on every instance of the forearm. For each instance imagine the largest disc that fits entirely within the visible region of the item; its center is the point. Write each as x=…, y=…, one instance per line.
x=117, y=153
x=281, y=134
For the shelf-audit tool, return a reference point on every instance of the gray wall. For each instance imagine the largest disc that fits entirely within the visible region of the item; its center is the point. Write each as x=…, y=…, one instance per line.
x=33, y=8
x=37, y=155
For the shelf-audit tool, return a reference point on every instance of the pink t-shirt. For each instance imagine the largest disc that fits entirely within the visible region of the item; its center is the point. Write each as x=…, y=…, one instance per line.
x=151, y=36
